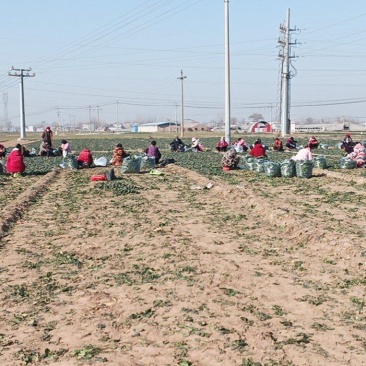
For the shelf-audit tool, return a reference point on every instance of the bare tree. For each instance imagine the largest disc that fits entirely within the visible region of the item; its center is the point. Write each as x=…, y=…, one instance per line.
x=256, y=117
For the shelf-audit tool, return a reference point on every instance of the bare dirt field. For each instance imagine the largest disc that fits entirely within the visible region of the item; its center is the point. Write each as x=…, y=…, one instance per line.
x=250, y=272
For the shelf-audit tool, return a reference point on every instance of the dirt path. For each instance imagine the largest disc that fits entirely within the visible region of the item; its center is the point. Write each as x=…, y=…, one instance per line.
x=180, y=276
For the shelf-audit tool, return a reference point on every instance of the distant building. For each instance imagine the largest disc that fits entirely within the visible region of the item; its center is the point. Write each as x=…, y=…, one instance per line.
x=330, y=127
x=196, y=126
x=87, y=127
x=158, y=127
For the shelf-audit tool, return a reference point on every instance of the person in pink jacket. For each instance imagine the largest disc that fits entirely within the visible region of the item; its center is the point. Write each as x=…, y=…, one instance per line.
x=358, y=155
x=303, y=154
x=15, y=162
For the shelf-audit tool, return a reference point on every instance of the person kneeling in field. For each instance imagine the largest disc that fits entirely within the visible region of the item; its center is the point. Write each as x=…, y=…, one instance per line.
x=222, y=145
x=258, y=150
x=291, y=143
x=118, y=155
x=65, y=148
x=278, y=146
x=358, y=155
x=85, y=158
x=15, y=163
x=2, y=151
x=45, y=149
x=230, y=159
x=240, y=145
x=313, y=143
x=153, y=152
x=303, y=154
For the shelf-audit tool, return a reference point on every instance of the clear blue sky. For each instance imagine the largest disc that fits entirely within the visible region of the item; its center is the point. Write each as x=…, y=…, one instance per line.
x=92, y=52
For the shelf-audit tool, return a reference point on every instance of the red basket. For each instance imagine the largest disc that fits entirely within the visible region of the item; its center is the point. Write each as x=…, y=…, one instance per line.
x=98, y=178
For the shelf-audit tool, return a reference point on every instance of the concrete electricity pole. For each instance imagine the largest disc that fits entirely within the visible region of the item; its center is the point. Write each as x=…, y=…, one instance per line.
x=58, y=127
x=90, y=122
x=176, y=117
x=6, y=116
x=98, y=110
x=181, y=78
x=117, y=119
x=21, y=73
x=227, y=75
x=285, y=75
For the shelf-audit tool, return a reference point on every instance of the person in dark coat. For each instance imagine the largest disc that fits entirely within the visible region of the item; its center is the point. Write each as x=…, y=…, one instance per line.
x=177, y=145
x=291, y=143
x=2, y=151
x=348, y=144
x=47, y=136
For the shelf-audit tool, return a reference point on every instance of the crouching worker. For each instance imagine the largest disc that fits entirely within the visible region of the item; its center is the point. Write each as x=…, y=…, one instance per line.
x=85, y=159
x=313, y=143
x=45, y=149
x=358, y=155
x=177, y=145
x=65, y=148
x=230, y=160
x=118, y=155
x=15, y=163
x=222, y=145
x=153, y=152
x=303, y=154
x=277, y=146
x=2, y=151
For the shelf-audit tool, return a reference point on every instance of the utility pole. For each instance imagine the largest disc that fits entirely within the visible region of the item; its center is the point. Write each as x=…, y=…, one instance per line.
x=227, y=75
x=181, y=78
x=72, y=116
x=6, y=116
x=98, y=110
x=117, y=119
x=90, y=109
x=58, y=119
x=176, y=118
x=271, y=116
x=285, y=43
x=22, y=73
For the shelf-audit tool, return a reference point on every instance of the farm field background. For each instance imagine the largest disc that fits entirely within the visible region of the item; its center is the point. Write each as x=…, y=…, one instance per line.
x=151, y=270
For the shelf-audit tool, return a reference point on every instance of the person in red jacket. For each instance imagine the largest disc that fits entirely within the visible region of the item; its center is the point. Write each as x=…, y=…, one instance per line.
x=258, y=150
x=15, y=162
x=313, y=143
x=222, y=145
x=85, y=158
